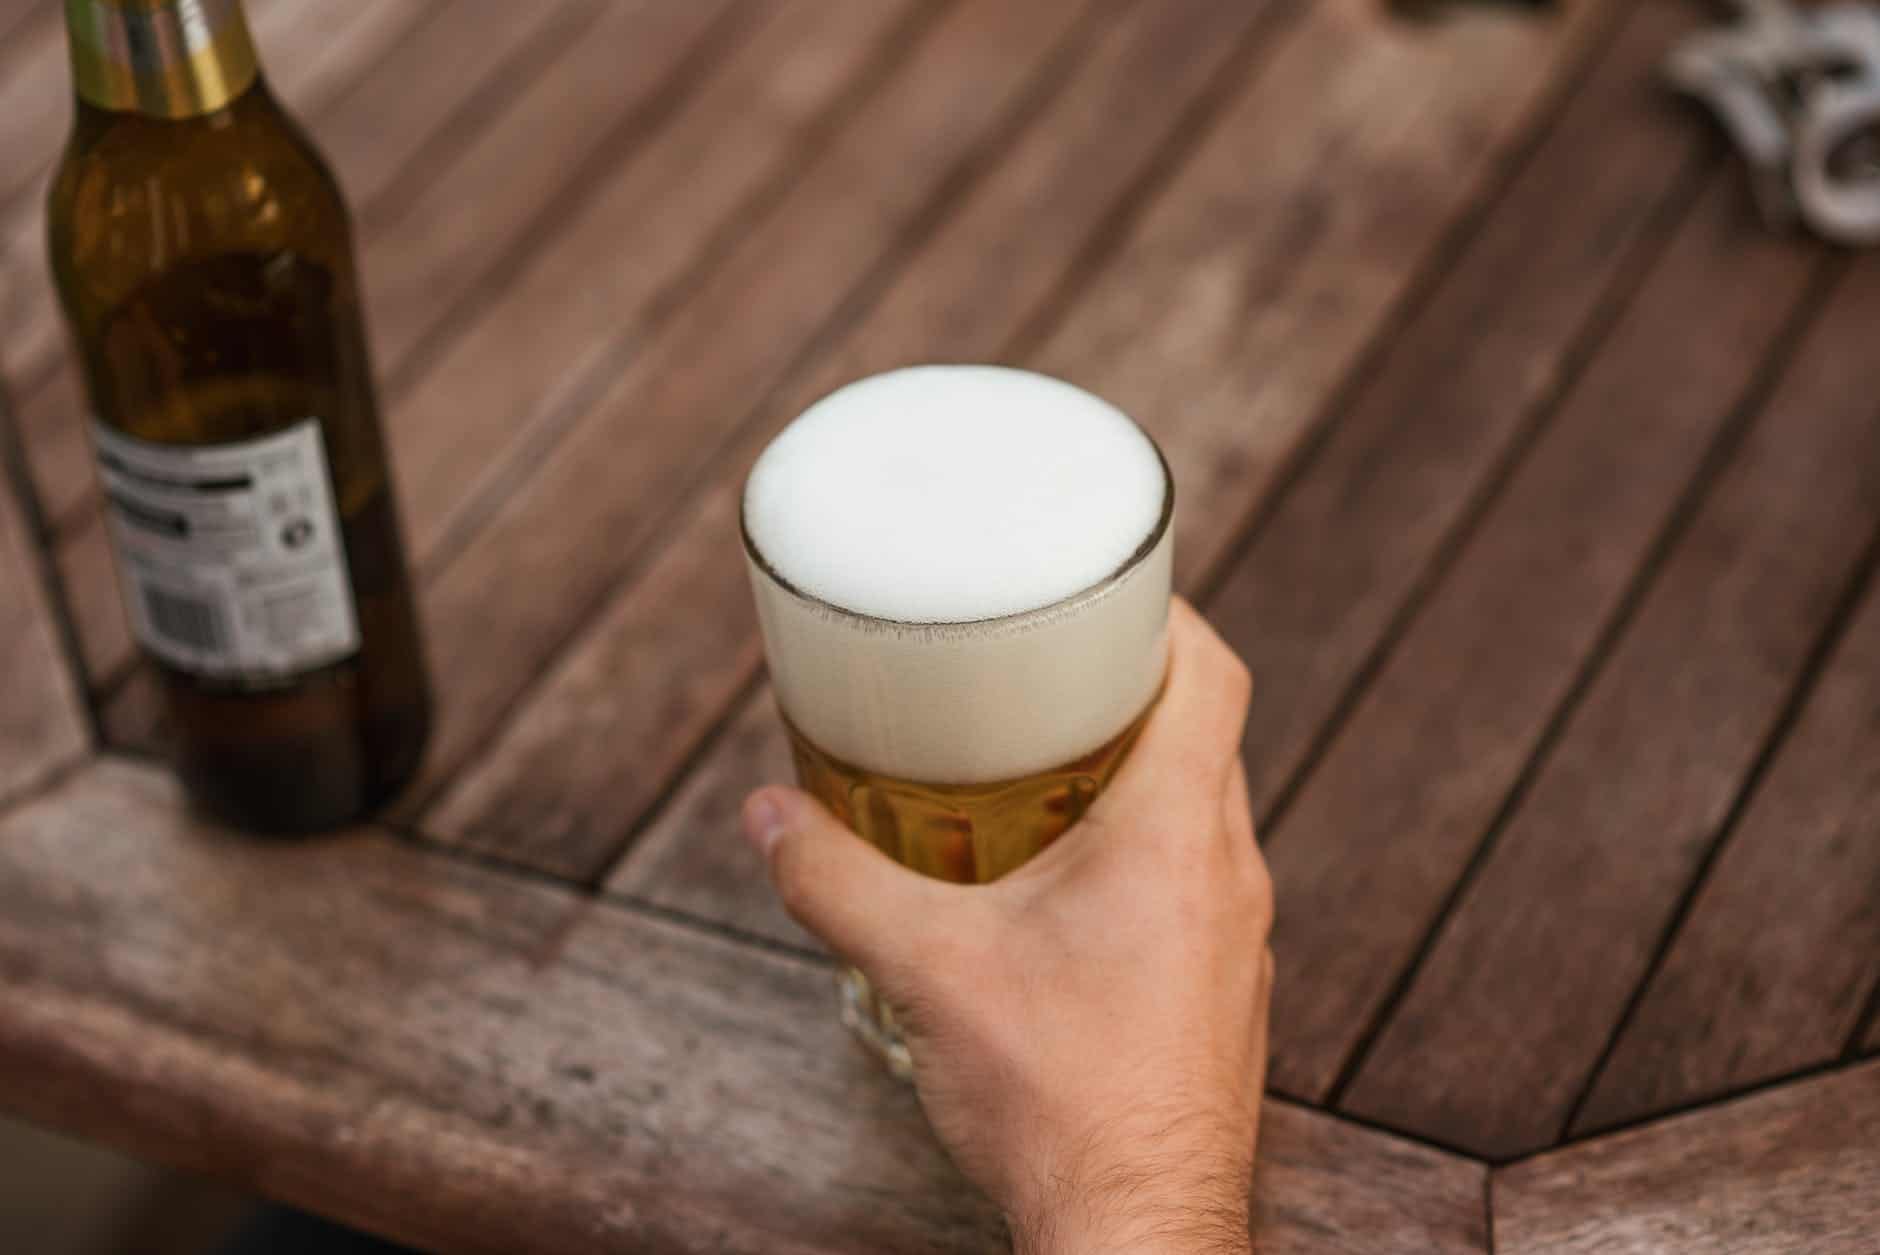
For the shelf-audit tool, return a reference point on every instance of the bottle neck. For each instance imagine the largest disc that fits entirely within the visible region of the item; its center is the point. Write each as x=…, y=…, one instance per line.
x=160, y=58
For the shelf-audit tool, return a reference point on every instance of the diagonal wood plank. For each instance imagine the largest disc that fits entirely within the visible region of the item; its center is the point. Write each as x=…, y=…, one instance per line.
x=665, y=417
x=1214, y=221
x=1529, y=975
x=42, y=725
x=945, y=309
x=998, y=258
x=1455, y=393
x=1386, y=822
x=1781, y=951
x=1793, y=1169
x=35, y=103
x=691, y=859
x=13, y=14
x=596, y=292
x=466, y=1061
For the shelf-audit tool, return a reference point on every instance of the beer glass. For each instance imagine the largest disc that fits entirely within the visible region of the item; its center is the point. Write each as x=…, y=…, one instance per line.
x=963, y=575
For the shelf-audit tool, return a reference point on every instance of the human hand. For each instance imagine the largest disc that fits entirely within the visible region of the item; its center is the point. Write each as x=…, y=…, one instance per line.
x=1089, y=1033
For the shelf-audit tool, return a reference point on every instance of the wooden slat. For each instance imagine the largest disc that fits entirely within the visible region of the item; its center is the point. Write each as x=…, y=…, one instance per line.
x=962, y=297
x=136, y=716
x=1339, y=53
x=13, y=15
x=576, y=525
x=1389, y=817
x=467, y=1062
x=35, y=104
x=600, y=281
x=42, y=725
x=1345, y=546
x=601, y=286
x=693, y=859
x=437, y=246
x=1796, y=1169
x=1781, y=951
x=1530, y=973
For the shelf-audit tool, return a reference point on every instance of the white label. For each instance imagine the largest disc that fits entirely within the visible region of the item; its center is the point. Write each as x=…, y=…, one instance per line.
x=231, y=555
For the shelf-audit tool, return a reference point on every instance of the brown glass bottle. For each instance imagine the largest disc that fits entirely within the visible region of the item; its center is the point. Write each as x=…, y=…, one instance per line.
x=203, y=255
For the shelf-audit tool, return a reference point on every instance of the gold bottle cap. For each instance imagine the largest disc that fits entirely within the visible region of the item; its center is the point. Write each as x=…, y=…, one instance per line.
x=165, y=58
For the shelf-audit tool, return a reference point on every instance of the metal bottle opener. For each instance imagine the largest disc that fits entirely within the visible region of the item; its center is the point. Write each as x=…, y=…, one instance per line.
x=1798, y=91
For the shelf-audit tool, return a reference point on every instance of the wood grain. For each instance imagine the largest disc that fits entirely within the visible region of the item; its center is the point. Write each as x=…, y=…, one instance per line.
x=1344, y=547
x=609, y=485
x=692, y=859
x=1795, y=1169
x=600, y=285
x=1529, y=975
x=951, y=303
x=1781, y=951
x=42, y=725
x=598, y=739
x=1389, y=817
x=460, y=1060
x=35, y=104
x=136, y=716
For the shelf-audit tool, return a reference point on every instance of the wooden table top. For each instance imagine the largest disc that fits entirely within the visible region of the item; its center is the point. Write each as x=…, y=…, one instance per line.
x=1537, y=482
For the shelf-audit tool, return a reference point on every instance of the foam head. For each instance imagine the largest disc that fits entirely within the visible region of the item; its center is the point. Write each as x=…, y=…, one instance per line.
x=962, y=571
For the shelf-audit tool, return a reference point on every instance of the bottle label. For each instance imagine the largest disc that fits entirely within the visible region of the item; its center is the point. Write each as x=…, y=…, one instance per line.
x=231, y=556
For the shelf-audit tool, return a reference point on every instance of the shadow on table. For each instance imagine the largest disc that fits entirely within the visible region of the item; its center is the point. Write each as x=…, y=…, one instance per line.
x=61, y=1196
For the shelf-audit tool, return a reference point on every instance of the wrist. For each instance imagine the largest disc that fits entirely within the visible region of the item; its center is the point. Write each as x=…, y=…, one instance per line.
x=1167, y=1202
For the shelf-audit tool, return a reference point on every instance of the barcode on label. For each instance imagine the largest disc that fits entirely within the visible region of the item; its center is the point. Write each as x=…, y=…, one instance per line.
x=183, y=620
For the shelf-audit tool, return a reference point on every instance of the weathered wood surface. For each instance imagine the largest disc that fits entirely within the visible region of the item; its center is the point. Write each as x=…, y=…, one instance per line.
x=1212, y=221
x=1537, y=482
x=1480, y=362
x=42, y=724
x=1781, y=951
x=1789, y=1171
x=456, y=1058
x=1388, y=819
x=1529, y=975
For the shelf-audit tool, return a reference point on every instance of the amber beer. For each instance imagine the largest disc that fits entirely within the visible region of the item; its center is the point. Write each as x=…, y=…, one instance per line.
x=963, y=578
x=203, y=256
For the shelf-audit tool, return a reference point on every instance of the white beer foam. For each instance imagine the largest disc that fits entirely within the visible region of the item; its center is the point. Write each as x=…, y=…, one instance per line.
x=974, y=516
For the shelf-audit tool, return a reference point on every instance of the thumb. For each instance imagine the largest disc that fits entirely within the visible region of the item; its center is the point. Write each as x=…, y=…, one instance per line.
x=832, y=882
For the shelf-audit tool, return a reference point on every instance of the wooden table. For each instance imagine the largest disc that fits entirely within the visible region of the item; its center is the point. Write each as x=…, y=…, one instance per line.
x=1538, y=483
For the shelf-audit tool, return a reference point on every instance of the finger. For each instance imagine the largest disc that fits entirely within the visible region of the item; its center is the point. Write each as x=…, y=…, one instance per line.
x=832, y=882
x=1237, y=809
x=1193, y=736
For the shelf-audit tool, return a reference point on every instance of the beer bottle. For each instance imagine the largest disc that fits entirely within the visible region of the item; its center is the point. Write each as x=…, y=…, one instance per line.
x=203, y=256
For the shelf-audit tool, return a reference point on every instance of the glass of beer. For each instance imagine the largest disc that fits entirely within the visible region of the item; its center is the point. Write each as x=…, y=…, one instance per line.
x=963, y=577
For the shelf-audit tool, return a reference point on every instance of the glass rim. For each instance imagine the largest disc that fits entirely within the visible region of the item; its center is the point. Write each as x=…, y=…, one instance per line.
x=1016, y=619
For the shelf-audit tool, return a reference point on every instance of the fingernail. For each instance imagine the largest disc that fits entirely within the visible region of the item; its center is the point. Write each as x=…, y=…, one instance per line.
x=763, y=822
